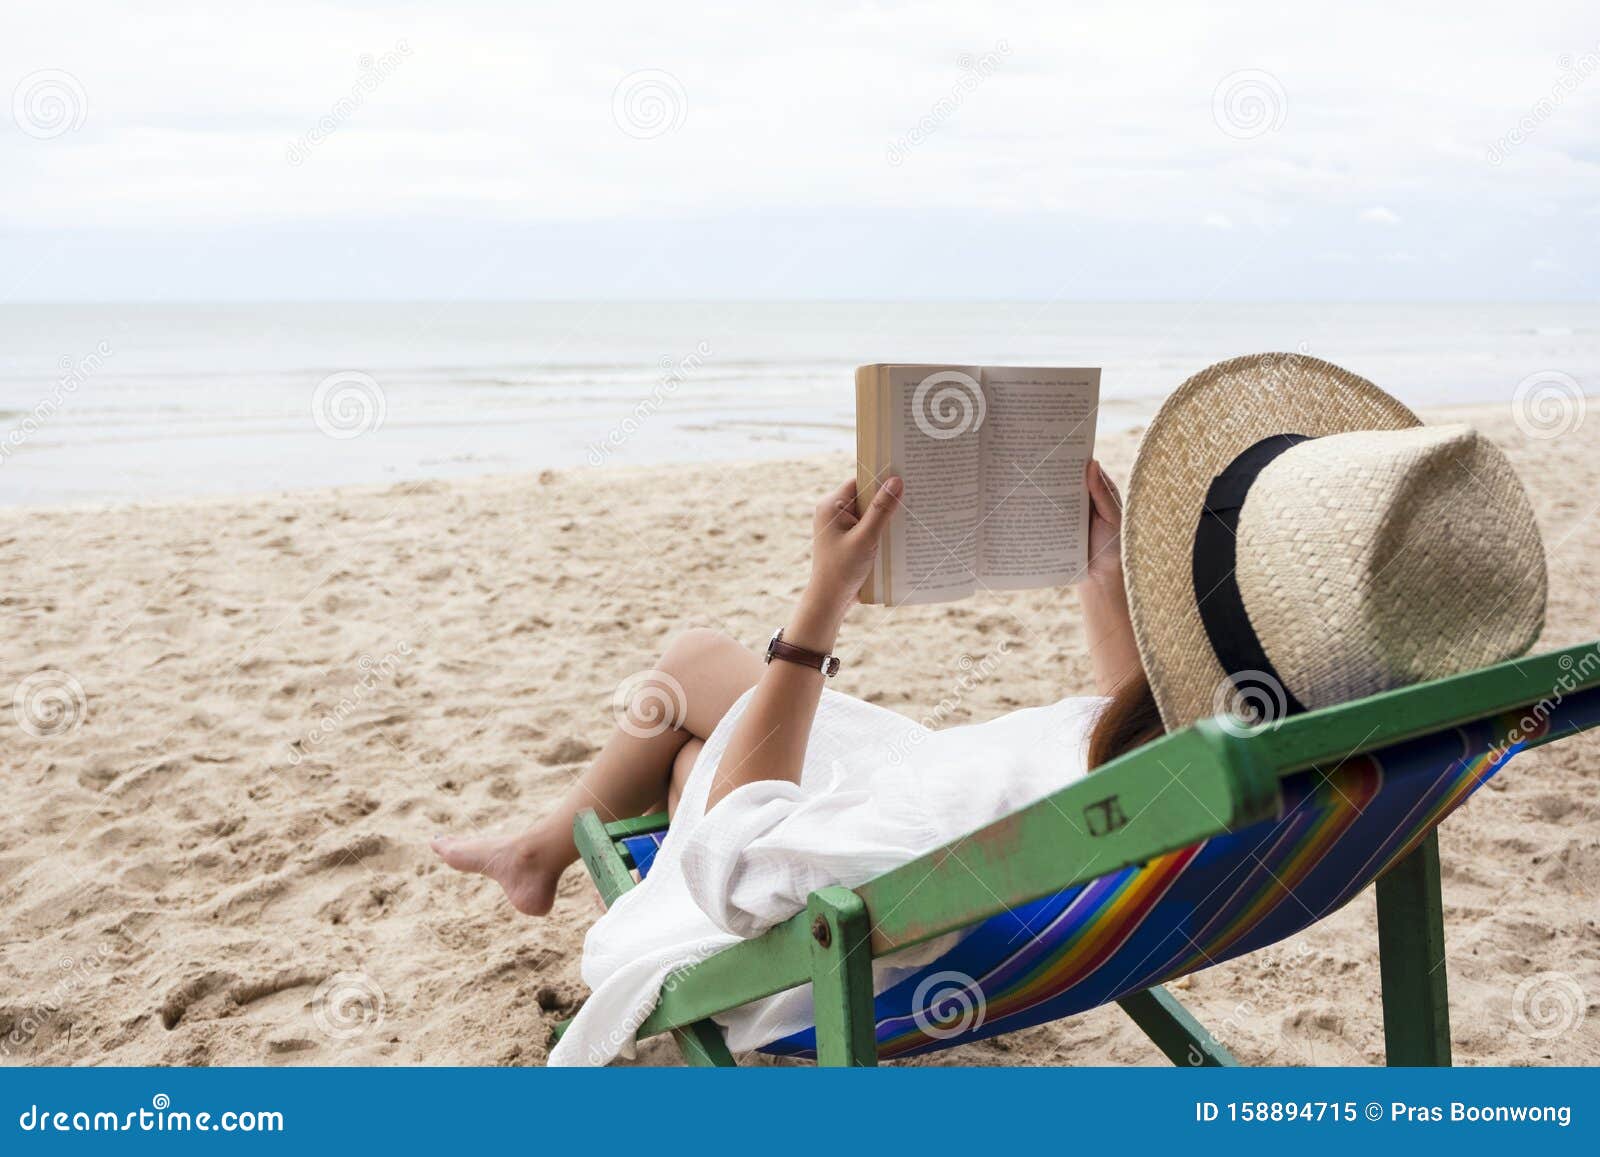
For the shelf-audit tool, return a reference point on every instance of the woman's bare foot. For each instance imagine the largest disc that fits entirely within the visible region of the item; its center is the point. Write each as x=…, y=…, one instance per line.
x=519, y=864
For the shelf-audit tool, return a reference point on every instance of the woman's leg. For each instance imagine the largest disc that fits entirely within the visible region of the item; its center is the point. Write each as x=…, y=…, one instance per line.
x=677, y=705
x=682, y=764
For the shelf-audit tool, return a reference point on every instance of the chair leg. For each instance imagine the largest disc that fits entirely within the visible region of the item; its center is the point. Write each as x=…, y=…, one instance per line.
x=703, y=1046
x=841, y=979
x=1416, y=1001
x=1174, y=1030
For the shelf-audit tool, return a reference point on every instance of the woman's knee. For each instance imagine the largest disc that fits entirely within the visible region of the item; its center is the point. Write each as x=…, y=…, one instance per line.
x=707, y=671
x=657, y=701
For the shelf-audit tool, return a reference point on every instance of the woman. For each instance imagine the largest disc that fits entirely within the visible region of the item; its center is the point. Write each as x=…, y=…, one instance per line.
x=1357, y=564
x=703, y=674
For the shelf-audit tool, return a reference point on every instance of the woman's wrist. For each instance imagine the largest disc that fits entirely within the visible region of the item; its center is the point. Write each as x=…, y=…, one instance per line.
x=1104, y=596
x=1106, y=580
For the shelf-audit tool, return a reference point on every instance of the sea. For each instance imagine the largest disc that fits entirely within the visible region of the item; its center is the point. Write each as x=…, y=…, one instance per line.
x=104, y=405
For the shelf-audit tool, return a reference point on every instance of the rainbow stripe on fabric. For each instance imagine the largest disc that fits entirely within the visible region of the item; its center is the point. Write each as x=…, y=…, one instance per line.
x=1099, y=921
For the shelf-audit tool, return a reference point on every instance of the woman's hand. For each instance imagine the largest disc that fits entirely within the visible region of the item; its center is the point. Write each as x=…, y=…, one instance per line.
x=845, y=545
x=1105, y=528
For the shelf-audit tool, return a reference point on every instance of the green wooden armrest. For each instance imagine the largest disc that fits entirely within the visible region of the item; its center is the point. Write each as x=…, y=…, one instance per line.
x=1334, y=734
x=638, y=826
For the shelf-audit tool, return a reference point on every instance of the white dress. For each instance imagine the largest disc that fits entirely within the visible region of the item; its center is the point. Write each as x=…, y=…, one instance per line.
x=877, y=790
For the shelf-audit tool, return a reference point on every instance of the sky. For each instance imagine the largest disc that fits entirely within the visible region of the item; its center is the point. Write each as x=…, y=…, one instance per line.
x=634, y=151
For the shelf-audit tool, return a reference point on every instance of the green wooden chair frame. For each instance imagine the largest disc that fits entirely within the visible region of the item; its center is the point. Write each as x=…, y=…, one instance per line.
x=1039, y=851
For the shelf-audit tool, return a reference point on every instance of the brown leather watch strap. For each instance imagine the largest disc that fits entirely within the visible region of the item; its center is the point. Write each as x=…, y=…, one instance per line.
x=816, y=660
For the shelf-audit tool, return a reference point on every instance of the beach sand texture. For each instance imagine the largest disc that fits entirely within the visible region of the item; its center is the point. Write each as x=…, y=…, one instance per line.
x=221, y=857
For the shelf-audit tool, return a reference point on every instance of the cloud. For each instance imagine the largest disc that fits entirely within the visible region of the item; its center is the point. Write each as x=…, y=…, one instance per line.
x=507, y=118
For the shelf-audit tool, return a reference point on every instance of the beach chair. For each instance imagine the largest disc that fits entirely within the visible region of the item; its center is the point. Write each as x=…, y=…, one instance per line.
x=1201, y=846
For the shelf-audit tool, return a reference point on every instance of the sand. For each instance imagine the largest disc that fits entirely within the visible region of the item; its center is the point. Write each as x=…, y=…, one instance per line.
x=218, y=853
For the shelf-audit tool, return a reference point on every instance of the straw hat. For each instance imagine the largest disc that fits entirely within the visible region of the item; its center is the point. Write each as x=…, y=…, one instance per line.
x=1294, y=537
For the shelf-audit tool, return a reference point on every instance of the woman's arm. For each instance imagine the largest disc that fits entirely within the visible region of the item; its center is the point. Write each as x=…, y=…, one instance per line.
x=770, y=739
x=1113, y=655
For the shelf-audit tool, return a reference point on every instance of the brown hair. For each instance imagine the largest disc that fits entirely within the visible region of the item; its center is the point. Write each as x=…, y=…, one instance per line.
x=1130, y=720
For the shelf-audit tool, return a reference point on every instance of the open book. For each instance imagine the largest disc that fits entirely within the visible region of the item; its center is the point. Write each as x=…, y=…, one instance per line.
x=993, y=460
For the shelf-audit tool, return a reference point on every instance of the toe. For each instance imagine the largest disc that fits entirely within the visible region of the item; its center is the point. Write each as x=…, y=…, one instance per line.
x=462, y=855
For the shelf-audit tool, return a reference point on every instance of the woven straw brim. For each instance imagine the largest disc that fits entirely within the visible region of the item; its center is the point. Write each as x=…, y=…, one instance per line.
x=1200, y=429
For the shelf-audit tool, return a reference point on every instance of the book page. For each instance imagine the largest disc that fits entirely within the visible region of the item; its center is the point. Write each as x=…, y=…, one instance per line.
x=1038, y=437
x=935, y=427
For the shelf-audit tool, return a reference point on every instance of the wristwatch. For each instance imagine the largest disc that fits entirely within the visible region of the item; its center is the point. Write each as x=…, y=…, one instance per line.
x=816, y=660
